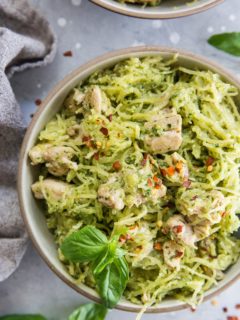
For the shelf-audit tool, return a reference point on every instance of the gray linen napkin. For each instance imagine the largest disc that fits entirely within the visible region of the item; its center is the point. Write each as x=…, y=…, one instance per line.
x=26, y=40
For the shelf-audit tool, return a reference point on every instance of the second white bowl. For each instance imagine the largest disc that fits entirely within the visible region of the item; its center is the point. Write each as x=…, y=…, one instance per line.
x=166, y=10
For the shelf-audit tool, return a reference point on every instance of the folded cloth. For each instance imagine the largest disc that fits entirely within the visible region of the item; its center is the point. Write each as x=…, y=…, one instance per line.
x=26, y=40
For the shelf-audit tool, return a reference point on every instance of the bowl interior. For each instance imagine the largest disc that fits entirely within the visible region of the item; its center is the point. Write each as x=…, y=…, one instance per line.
x=167, y=8
x=33, y=213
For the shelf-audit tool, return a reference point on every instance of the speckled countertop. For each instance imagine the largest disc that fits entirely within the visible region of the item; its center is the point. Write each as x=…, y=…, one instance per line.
x=89, y=31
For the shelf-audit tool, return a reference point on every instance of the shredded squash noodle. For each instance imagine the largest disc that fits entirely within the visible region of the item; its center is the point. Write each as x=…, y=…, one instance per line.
x=148, y=150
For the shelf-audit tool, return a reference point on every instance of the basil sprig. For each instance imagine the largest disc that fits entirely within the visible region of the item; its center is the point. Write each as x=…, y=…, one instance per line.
x=89, y=311
x=111, y=282
x=84, y=245
x=109, y=266
x=23, y=317
x=228, y=42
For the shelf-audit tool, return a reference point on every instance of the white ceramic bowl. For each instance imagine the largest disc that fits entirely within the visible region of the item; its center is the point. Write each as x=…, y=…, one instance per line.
x=166, y=10
x=33, y=214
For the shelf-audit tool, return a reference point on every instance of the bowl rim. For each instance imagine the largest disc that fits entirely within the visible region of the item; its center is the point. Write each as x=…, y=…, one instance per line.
x=159, y=15
x=141, y=50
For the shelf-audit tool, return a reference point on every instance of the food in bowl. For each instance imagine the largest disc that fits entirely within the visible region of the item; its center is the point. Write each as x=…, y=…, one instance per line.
x=157, y=9
x=147, y=151
x=145, y=2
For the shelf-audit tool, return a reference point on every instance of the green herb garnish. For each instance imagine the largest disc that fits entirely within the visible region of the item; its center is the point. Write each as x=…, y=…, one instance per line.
x=227, y=42
x=109, y=266
x=23, y=317
x=89, y=311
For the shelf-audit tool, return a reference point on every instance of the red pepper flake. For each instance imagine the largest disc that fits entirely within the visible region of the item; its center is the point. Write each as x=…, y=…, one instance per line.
x=104, y=131
x=163, y=172
x=149, y=182
x=187, y=183
x=170, y=171
x=237, y=306
x=156, y=179
x=225, y=309
x=68, y=53
x=179, y=254
x=209, y=161
x=194, y=197
x=38, y=102
x=96, y=156
x=86, y=138
x=110, y=117
x=144, y=160
x=157, y=186
x=178, y=229
x=122, y=239
x=117, y=166
x=233, y=318
x=157, y=246
x=224, y=213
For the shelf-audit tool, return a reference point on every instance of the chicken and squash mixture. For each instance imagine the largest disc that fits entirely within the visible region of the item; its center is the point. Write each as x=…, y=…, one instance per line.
x=147, y=150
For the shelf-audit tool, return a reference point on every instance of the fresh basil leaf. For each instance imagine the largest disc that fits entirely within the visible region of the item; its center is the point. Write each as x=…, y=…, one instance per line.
x=104, y=259
x=89, y=311
x=112, y=281
x=120, y=252
x=23, y=317
x=107, y=257
x=109, y=266
x=84, y=245
x=227, y=42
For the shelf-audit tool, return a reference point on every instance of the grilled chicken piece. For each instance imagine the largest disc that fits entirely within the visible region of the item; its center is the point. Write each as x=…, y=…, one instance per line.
x=158, y=193
x=204, y=205
x=74, y=100
x=50, y=188
x=170, y=138
x=110, y=196
x=95, y=98
x=141, y=243
x=166, y=121
x=172, y=254
x=134, y=200
x=36, y=154
x=202, y=229
x=181, y=230
x=58, y=159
